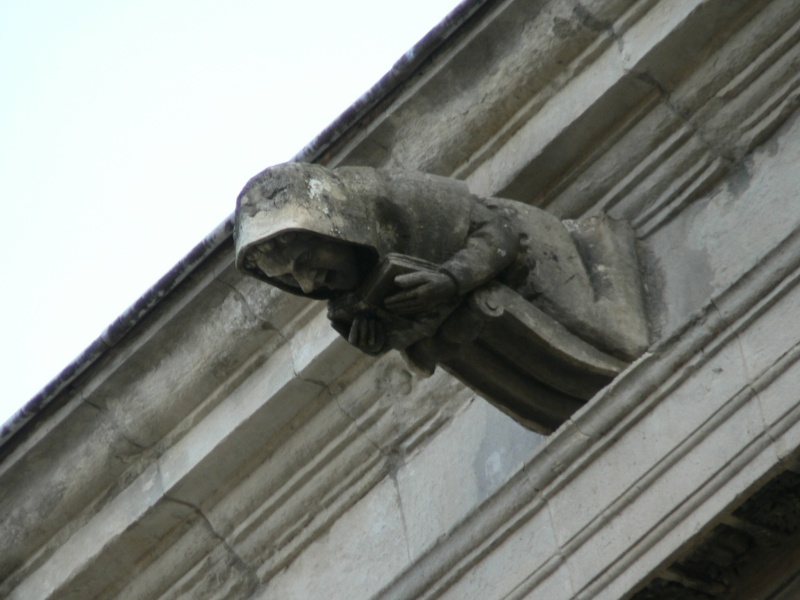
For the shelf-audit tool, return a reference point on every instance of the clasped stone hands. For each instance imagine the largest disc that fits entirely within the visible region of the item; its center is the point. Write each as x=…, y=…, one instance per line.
x=422, y=290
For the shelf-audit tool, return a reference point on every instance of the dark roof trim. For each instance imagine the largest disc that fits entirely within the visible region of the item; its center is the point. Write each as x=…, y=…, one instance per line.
x=399, y=73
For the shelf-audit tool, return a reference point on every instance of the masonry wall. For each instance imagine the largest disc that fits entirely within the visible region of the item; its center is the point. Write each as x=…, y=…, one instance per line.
x=232, y=446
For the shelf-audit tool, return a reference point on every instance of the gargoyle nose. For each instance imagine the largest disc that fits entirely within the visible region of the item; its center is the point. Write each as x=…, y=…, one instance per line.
x=306, y=282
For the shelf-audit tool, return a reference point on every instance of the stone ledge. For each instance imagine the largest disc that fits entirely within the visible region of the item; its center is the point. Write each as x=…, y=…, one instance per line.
x=654, y=394
x=235, y=514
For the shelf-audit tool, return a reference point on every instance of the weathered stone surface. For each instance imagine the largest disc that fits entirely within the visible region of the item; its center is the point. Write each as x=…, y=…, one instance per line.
x=231, y=447
x=534, y=314
x=427, y=492
x=730, y=231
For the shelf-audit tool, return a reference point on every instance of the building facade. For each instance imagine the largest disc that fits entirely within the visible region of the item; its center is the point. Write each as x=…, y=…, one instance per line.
x=221, y=440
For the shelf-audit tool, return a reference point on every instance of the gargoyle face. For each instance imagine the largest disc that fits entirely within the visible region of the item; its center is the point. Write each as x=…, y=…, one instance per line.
x=309, y=262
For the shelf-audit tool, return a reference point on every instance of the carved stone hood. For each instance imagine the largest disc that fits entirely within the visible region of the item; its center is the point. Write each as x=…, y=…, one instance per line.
x=342, y=204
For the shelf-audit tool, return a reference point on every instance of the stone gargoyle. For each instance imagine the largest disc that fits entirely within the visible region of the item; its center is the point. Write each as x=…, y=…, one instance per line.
x=533, y=313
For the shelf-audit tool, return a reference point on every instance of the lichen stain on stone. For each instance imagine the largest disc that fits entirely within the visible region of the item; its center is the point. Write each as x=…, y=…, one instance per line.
x=739, y=180
x=315, y=188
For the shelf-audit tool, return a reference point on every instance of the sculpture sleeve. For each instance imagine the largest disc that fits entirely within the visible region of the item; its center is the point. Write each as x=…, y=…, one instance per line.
x=491, y=245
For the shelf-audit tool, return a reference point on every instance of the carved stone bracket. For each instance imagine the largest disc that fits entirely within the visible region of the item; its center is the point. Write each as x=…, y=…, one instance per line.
x=534, y=313
x=522, y=360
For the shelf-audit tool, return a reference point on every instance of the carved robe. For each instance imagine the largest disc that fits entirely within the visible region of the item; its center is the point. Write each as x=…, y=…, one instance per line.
x=479, y=243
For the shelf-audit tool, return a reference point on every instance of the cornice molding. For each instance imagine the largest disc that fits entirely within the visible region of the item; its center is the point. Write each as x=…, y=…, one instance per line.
x=206, y=433
x=660, y=387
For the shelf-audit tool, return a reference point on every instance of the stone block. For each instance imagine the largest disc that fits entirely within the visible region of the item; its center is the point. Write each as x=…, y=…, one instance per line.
x=778, y=401
x=530, y=550
x=767, y=340
x=641, y=448
x=236, y=429
x=360, y=554
x=319, y=353
x=440, y=487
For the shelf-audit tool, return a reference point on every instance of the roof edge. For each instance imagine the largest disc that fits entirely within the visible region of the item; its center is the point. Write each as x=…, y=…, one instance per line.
x=127, y=321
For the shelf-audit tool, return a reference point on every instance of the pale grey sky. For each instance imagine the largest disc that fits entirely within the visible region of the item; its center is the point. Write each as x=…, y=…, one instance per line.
x=128, y=127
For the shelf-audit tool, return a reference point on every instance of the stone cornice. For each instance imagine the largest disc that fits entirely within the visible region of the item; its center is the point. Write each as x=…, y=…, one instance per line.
x=586, y=485
x=211, y=429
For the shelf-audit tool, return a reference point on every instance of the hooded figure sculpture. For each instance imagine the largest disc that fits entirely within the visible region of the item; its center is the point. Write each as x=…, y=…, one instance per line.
x=417, y=263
